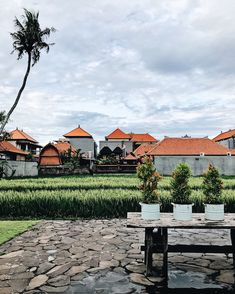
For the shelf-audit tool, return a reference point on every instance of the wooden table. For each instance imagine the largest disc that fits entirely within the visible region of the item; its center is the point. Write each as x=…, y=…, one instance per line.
x=157, y=241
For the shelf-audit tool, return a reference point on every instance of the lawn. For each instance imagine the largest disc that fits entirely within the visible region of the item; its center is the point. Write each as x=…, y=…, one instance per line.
x=90, y=196
x=10, y=229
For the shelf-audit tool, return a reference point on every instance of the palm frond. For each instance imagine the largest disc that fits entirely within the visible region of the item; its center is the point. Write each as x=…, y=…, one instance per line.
x=29, y=37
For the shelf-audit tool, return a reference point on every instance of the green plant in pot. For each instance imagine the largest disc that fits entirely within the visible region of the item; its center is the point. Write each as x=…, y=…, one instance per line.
x=180, y=192
x=212, y=189
x=149, y=177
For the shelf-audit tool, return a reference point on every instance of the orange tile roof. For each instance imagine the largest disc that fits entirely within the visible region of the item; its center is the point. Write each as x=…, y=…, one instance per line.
x=143, y=138
x=225, y=135
x=21, y=135
x=64, y=146
x=188, y=146
x=6, y=146
x=130, y=157
x=78, y=132
x=143, y=149
x=118, y=134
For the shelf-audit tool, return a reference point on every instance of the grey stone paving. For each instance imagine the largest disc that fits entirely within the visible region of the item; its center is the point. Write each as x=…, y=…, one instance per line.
x=103, y=256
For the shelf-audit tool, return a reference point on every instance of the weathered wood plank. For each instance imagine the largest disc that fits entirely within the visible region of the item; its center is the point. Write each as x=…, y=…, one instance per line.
x=193, y=248
x=167, y=221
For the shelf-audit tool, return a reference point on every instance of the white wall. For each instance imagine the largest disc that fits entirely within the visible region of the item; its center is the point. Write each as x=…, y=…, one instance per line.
x=84, y=144
x=23, y=168
x=225, y=164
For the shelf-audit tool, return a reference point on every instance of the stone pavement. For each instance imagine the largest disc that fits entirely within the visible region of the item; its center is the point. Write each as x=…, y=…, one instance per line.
x=103, y=256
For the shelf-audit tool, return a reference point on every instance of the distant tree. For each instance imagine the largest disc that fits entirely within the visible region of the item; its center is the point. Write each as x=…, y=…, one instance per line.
x=4, y=134
x=29, y=39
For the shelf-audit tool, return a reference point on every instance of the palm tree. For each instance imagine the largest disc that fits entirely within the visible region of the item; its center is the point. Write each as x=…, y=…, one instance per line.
x=29, y=39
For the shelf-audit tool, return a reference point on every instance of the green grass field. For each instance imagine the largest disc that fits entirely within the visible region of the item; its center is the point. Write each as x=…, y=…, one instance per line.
x=10, y=229
x=90, y=196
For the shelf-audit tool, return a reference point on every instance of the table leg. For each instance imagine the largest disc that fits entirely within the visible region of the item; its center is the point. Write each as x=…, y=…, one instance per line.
x=148, y=250
x=165, y=253
x=232, y=234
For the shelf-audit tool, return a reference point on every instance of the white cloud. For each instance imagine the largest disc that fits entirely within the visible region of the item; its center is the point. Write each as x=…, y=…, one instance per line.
x=164, y=67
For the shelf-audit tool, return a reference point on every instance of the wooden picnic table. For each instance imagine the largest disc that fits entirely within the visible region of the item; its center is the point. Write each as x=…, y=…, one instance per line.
x=156, y=241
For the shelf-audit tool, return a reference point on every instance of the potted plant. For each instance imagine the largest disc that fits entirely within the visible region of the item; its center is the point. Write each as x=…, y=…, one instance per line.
x=212, y=189
x=181, y=191
x=146, y=172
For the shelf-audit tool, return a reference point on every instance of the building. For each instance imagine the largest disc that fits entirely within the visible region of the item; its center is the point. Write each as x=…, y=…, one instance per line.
x=126, y=142
x=51, y=154
x=196, y=152
x=82, y=140
x=226, y=139
x=24, y=142
x=9, y=152
x=143, y=150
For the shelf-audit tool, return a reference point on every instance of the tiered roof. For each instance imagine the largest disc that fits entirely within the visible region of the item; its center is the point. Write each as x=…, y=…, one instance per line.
x=21, y=135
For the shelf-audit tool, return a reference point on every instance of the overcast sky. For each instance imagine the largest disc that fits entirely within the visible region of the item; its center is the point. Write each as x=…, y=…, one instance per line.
x=163, y=67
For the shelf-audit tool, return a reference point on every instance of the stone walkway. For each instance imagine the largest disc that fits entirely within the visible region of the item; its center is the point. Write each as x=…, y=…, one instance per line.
x=103, y=256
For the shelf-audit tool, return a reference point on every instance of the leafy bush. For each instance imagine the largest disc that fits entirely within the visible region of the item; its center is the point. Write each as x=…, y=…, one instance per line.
x=180, y=188
x=149, y=177
x=212, y=186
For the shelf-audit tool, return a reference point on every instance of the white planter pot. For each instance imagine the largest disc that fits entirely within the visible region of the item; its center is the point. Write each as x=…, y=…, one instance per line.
x=182, y=212
x=214, y=212
x=150, y=211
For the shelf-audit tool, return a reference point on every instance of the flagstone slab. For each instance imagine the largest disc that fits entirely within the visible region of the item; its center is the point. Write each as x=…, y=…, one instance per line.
x=65, y=256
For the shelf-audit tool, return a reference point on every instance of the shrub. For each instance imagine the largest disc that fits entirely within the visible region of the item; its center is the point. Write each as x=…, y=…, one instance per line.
x=149, y=177
x=212, y=186
x=179, y=184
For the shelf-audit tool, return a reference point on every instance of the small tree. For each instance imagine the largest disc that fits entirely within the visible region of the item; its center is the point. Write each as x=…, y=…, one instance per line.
x=71, y=158
x=180, y=188
x=149, y=177
x=212, y=186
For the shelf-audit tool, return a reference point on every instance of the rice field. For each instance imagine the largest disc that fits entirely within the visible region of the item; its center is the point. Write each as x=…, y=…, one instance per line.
x=90, y=196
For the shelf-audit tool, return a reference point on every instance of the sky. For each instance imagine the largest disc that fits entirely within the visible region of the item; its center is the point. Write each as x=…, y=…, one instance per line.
x=166, y=67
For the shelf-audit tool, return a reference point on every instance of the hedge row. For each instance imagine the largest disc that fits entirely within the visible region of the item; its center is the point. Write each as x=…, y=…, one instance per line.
x=88, y=204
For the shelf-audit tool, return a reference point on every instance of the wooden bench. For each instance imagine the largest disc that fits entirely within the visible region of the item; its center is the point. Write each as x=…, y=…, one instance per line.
x=156, y=241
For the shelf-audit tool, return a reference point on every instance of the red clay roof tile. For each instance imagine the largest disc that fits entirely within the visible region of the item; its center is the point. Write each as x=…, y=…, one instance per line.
x=188, y=146
x=143, y=138
x=78, y=132
x=143, y=149
x=64, y=146
x=130, y=157
x=6, y=146
x=225, y=135
x=21, y=135
x=118, y=134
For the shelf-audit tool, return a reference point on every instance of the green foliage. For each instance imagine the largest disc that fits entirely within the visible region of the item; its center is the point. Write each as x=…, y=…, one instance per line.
x=10, y=229
x=212, y=186
x=109, y=159
x=180, y=188
x=71, y=158
x=149, y=177
x=2, y=116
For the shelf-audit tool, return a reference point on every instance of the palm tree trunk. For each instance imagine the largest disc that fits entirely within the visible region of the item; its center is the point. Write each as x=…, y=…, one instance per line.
x=18, y=95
